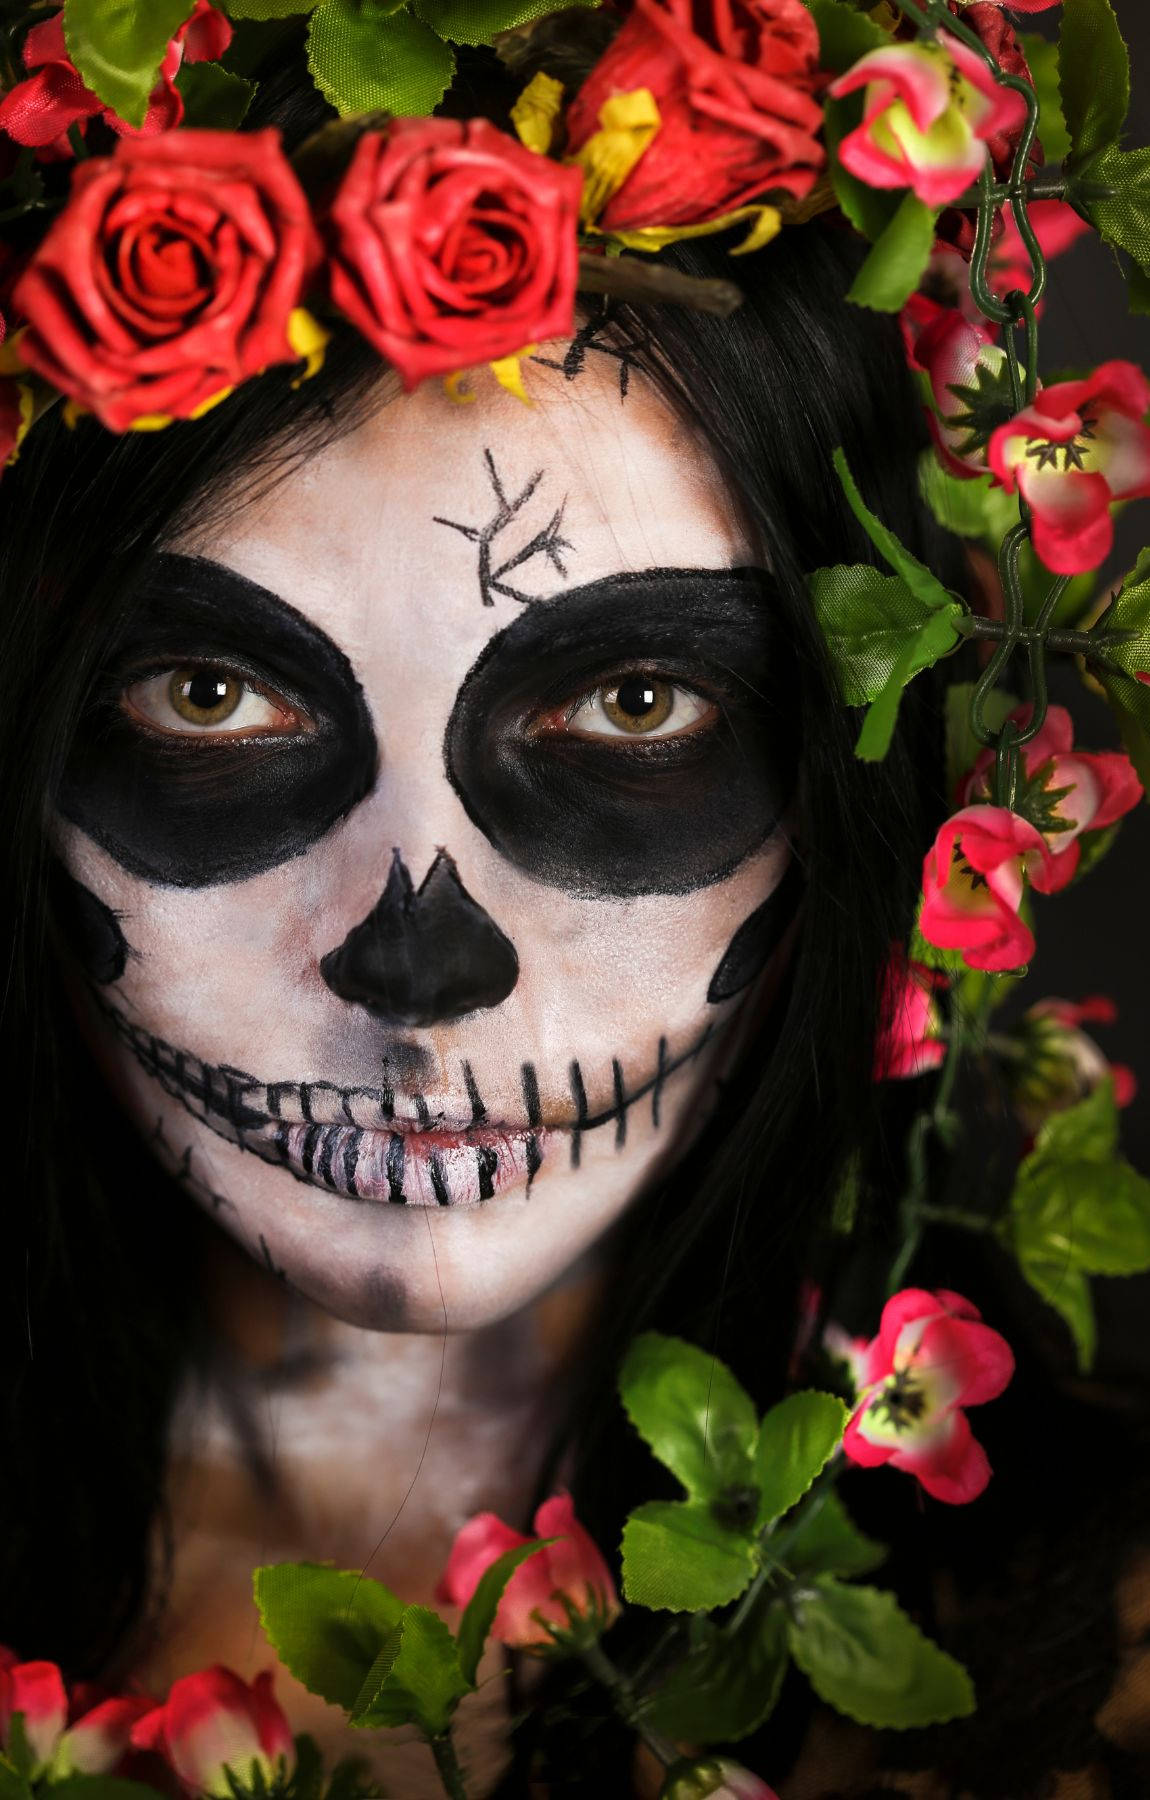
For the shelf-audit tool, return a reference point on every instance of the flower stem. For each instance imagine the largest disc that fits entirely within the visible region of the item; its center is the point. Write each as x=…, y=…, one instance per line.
x=599, y=1664
x=447, y=1762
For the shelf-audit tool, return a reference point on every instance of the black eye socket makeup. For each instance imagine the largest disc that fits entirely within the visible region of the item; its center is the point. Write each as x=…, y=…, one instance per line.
x=622, y=815
x=194, y=808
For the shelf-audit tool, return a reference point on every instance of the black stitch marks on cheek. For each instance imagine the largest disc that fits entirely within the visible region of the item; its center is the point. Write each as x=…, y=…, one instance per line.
x=757, y=938
x=547, y=542
x=91, y=929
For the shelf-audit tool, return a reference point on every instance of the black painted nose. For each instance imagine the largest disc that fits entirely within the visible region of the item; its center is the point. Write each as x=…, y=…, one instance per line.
x=426, y=957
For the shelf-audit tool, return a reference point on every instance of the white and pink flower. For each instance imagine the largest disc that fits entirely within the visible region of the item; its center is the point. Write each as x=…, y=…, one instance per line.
x=929, y=111
x=213, y=1723
x=973, y=881
x=93, y=1743
x=1067, y=792
x=561, y=1589
x=1058, y=1062
x=932, y=1358
x=1079, y=447
x=969, y=387
x=718, y=1778
x=910, y=1024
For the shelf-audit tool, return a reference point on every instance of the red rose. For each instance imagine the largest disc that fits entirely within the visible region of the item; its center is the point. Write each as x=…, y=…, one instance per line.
x=170, y=275
x=39, y=111
x=734, y=82
x=450, y=244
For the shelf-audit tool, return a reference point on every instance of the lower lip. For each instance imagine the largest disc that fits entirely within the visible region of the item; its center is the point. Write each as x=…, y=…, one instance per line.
x=411, y=1168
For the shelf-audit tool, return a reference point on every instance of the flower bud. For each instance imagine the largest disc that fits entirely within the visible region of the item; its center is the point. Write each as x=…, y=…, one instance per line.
x=214, y=1724
x=716, y=1779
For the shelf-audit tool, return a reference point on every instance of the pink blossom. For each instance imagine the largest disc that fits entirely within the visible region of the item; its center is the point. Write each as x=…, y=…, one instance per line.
x=969, y=382
x=1025, y=6
x=973, y=880
x=716, y=1779
x=39, y=110
x=92, y=1744
x=841, y=1346
x=1059, y=1063
x=213, y=1722
x=932, y=1357
x=1077, y=449
x=929, y=110
x=1067, y=792
x=37, y=1690
x=910, y=1024
x=565, y=1585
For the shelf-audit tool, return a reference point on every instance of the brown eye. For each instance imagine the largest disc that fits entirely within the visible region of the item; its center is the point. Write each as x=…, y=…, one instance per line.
x=638, y=704
x=210, y=701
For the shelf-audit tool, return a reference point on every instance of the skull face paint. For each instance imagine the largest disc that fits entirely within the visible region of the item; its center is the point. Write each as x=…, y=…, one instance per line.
x=445, y=897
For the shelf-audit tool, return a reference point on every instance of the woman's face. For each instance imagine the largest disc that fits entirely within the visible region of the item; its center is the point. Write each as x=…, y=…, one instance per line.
x=425, y=844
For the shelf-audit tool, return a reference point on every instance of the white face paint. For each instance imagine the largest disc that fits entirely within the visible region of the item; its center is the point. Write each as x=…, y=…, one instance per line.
x=432, y=848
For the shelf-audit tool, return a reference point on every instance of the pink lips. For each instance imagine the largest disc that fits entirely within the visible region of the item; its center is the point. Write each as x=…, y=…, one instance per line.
x=412, y=1167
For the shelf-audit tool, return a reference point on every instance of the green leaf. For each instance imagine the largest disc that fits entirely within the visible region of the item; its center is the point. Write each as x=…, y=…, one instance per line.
x=118, y=46
x=365, y=58
x=728, y=1683
x=971, y=509
x=828, y=1542
x=1085, y=1132
x=897, y=260
x=678, y=1558
x=214, y=98
x=935, y=638
x=845, y=35
x=870, y=621
x=327, y=1625
x=479, y=1614
x=478, y=21
x=20, y=1757
x=1122, y=215
x=1129, y=611
x=1130, y=704
x=1068, y=1292
x=796, y=1441
x=13, y=1786
x=689, y=1408
x=97, y=1787
x=1042, y=56
x=1094, y=76
x=1090, y=1216
x=1138, y=290
x=416, y=1678
x=863, y=1656
x=922, y=584
x=267, y=9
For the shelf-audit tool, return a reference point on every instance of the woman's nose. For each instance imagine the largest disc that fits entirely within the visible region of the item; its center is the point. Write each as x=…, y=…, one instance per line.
x=426, y=956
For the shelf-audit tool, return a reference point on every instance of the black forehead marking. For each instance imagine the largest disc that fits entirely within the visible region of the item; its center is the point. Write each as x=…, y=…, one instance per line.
x=548, y=542
x=91, y=930
x=603, y=336
x=621, y=817
x=757, y=938
x=190, y=813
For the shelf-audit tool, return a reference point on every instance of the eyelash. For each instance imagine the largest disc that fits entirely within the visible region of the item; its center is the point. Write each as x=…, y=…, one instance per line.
x=143, y=699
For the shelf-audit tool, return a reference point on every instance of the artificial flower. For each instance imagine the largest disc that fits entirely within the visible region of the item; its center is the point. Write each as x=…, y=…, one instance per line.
x=1066, y=792
x=39, y=111
x=1050, y=1063
x=172, y=274
x=1024, y=6
x=92, y=1744
x=972, y=885
x=451, y=245
x=910, y=1025
x=930, y=111
x=718, y=1778
x=997, y=34
x=563, y=1589
x=734, y=84
x=1079, y=447
x=932, y=1357
x=213, y=1724
x=970, y=390
x=15, y=416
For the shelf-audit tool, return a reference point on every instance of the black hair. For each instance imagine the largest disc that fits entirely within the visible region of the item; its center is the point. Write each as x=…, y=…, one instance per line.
x=99, y=1273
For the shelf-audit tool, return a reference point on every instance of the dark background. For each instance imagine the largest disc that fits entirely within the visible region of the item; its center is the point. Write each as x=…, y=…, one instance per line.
x=1095, y=937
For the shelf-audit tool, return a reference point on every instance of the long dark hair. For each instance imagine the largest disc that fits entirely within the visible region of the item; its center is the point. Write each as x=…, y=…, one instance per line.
x=98, y=1282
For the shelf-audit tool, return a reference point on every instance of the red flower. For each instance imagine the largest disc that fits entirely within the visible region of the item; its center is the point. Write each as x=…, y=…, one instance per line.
x=997, y=33
x=170, y=275
x=15, y=416
x=970, y=388
x=1059, y=1063
x=1078, y=448
x=734, y=82
x=972, y=885
x=932, y=1357
x=453, y=245
x=212, y=1723
x=95, y=1741
x=909, y=1023
x=40, y=110
x=1067, y=792
x=559, y=1589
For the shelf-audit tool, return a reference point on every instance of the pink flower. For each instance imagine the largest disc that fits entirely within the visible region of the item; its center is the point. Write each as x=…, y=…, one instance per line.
x=1026, y=6
x=565, y=1587
x=716, y=1779
x=970, y=388
x=932, y=1357
x=213, y=1722
x=1067, y=792
x=1059, y=1063
x=972, y=882
x=95, y=1741
x=39, y=111
x=1081, y=446
x=842, y=1347
x=929, y=111
x=1057, y=226
x=909, y=1039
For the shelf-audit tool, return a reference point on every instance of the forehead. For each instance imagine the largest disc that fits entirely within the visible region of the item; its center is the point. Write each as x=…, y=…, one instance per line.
x=402, y=515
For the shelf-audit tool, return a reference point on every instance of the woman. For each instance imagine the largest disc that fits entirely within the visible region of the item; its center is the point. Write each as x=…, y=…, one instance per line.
x=449, y=921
